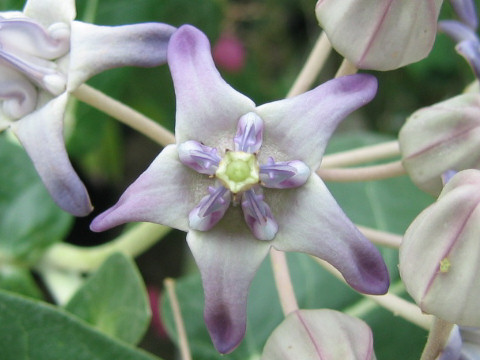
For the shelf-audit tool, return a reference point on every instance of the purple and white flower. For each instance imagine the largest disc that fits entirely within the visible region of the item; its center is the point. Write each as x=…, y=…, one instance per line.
x=241, y=179
x=45, y=55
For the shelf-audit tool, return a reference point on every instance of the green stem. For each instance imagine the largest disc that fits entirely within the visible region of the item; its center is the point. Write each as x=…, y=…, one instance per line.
x=366, y=173
x=133, y=242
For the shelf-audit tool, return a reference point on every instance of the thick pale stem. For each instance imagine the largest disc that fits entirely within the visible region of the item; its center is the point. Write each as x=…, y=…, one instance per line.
x=283, y=282
x=367, y=173
x=389, y=301
x=362, y=155
x=124, y=114
x=346, y=68
x=177, y=318
x=312, y=67
x=437, y=338
x=381, y=237
x=133, y=242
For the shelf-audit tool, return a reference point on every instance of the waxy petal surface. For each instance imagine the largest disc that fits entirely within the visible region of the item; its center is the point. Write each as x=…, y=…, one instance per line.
x=440, y=250
x=162, y=194
x=320, y=335
x=228, y=257
x=441, y=137
x=456, y=30
x=326, y=232
x=300, y=127
x=41, y=134
x=97, y=48
x=380, y=34
x=208, y=108
x=466, y=11
x=48, y=12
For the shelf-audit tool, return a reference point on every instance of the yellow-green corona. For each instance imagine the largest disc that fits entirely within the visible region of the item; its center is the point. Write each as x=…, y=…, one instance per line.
x=238, y=171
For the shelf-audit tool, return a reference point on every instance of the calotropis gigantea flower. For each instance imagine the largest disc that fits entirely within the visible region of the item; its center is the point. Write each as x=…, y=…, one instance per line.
x=439, y=138
x=320, y=334
x=464, y=32
x=45, y=55
x=439, y=253
x=241, y=179
x=380, y=34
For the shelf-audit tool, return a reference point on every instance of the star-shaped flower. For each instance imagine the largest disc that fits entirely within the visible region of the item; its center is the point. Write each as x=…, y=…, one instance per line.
x=241, y=179
x=44, y=55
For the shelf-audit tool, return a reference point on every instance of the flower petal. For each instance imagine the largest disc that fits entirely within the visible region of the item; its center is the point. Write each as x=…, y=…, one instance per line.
x=470, y=51
x=456, y=30
x=41, y=134
x=208, y=109
x=48, y=12
x=97, y=48
x=228, y=257
x=18, y=95
x=466, y=11
x=312, y=222
x=211, y=209
x=453, y=347
x=201, y=158
x=320, y=334
x=163, y=194
x=380, y=35
x=300, y=127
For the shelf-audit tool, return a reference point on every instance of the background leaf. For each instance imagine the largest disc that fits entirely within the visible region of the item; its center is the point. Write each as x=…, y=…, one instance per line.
x=114, y=300
x=36, y=330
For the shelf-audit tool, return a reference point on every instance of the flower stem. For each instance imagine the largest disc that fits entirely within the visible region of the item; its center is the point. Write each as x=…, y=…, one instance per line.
x=367, y=173
x=381, y=237
x=283, y=282
x=133, y=242
x=312, y=67
x=124, y=114
x=362, y=155
x=346, y=68
x=177, y=317
x=389, y=301
x=437, y=338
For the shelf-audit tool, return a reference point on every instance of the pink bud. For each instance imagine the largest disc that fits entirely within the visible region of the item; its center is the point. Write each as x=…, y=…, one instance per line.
x=229, y=53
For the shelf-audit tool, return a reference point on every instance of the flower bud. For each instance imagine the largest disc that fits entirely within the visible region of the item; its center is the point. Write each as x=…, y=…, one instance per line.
x=325, y=334
x=439, y=138
x=440, y=250
x=380, y=35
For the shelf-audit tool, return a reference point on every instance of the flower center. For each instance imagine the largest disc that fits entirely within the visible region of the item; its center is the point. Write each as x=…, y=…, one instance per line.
x=238, y=171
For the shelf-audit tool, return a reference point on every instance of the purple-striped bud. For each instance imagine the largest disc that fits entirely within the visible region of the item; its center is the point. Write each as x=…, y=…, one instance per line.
x=284, y=175
x=210, y=210
x=249, y=133
x=258, y=216
x=199, y=157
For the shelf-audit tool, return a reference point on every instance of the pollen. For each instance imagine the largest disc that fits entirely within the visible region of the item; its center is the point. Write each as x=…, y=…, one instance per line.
x=445, y=265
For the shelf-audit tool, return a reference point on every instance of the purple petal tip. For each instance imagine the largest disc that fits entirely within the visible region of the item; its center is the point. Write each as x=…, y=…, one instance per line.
x=225, y=333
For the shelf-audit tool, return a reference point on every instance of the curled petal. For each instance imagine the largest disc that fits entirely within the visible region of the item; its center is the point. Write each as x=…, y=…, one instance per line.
x=204, y=100
x=228, y=257
x=456, y=30
x=320, y=334
x=199, y=157
x=300, y=127
x=466, y=11
x=380, y=35
x=284, y=175
x=249, y=133
x=439, y=253
x=18, y=95
x=470, y=50
x=41, y=134
x=312, y=222
x=162, y=195
x=258, y=216
x=97, y=48
x=48, y=12
x=442, y=137
x=210, y=210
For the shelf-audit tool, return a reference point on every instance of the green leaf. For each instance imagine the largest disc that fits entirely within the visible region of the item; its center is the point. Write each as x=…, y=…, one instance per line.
x=18, y=280
x=29, y=219
x=114, y=300
x=35, y=330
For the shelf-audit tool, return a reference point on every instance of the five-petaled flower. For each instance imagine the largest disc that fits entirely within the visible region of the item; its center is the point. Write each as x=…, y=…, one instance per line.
x=235, y=164
x=45, y=55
